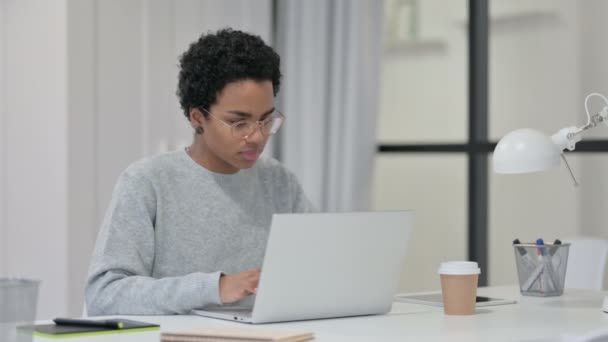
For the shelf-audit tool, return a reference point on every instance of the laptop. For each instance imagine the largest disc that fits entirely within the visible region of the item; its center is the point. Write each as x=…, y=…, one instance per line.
x=326, y=265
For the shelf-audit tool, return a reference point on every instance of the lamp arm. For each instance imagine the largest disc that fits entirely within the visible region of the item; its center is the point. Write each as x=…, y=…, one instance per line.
x=566, y=138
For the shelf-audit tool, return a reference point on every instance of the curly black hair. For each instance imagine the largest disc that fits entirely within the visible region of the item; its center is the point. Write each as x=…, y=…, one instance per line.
x=219, y=58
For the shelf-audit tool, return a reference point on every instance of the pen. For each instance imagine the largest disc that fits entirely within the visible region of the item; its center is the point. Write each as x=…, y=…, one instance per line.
x=525, y=257
x=540, y=243
x=530, y=266
x=549, y=261
x=545, y=258
x=556, y=244
x=89, y=323
x=533, y=277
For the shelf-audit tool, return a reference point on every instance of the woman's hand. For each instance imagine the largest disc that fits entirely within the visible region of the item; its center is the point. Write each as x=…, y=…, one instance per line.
x=234, y=287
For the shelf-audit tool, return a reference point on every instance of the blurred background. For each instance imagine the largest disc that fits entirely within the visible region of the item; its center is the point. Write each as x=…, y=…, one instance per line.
x=378, y=101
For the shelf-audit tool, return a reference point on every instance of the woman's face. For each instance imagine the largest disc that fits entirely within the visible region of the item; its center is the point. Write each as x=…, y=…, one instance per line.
x=241, y=100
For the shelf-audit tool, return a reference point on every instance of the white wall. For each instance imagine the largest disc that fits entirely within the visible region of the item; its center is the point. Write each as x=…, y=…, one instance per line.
x=35, y=145
x=81, y=133
x=424, y=92
x=594, y=55
x=119, y=97
x=534, y=66
x=434, y=187
x=535, y=80
x=87, y=87
x=544, y=56
x=3, y=198
x=561, y=59
x=424, y=99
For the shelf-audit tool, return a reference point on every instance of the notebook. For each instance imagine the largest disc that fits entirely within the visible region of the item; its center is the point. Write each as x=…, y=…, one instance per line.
x=59, y=331
x=235, y=335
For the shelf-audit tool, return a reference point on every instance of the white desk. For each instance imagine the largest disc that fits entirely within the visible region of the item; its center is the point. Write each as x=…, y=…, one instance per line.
x=576, y=312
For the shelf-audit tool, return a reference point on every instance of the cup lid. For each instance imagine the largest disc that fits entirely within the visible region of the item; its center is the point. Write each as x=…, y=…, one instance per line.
x=459, y=268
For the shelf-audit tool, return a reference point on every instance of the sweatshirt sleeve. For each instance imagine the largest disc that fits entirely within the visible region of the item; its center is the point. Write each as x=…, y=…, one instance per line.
x=119, y=280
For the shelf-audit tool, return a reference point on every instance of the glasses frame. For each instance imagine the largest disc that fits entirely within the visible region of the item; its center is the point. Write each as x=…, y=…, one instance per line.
x=258, y=124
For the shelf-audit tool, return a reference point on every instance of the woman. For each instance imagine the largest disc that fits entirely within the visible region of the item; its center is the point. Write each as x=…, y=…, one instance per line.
x=188, y=229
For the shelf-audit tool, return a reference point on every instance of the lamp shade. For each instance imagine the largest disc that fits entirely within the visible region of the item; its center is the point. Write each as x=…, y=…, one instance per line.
x=525, y=150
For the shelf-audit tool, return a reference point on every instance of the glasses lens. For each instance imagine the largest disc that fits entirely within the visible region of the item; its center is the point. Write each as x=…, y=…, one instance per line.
x=272, y=124
x=268, y=127
x=242, y=129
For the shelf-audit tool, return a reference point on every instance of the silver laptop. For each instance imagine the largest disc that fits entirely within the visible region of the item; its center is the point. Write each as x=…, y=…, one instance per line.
x=326, y=265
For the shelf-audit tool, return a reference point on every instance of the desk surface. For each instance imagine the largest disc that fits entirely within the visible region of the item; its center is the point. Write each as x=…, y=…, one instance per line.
x=574, y=313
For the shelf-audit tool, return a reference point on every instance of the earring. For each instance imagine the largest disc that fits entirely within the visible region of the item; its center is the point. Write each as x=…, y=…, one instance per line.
x=199, y=130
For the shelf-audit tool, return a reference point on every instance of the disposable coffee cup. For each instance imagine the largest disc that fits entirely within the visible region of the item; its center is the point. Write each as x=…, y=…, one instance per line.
x=459, y=286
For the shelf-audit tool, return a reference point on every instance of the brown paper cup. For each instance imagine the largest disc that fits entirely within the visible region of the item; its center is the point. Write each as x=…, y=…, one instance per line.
x=459, y=293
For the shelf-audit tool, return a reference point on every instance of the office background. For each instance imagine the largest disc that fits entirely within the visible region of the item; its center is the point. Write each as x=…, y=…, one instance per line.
x=88, y=86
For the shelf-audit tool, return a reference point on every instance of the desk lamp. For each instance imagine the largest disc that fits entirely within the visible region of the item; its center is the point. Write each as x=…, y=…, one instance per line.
x=527, y=150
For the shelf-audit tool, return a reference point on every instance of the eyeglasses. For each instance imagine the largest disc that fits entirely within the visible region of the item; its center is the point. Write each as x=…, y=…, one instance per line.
x=244, y=128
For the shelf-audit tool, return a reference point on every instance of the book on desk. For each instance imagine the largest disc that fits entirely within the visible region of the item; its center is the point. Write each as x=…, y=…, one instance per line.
x=235, y=335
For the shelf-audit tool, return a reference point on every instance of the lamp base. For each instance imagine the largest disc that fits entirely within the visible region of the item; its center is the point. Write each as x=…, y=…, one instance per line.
x=605, y=305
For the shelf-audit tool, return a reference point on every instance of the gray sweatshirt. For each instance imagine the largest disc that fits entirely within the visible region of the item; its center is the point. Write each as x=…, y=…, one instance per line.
x=172, y=227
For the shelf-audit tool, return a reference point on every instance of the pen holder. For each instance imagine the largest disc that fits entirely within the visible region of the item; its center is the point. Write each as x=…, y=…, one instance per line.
x=541, y=269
